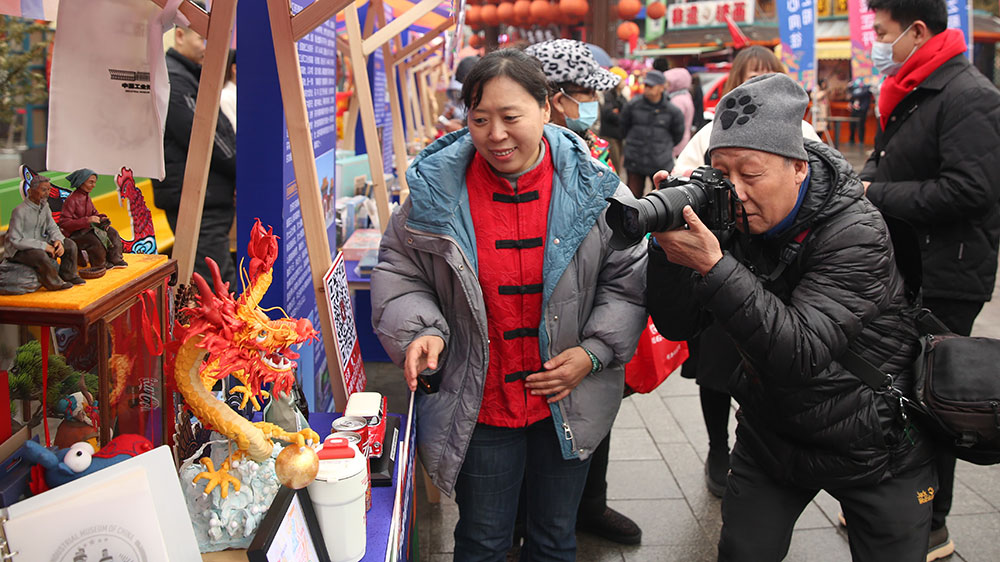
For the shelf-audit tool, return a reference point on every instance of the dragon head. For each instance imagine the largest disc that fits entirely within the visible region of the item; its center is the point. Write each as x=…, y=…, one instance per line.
x=237, y=333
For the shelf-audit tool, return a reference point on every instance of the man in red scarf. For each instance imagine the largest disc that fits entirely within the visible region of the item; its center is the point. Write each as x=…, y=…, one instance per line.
x=935, y=175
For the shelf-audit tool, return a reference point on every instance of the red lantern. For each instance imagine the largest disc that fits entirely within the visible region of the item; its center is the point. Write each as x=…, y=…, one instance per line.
x=522, y=11
x=579, y=8
x=656, y=10
x=489, y=15
x=505, y=12
x=627, y=30
x=539, y=11
x=555, y=14
x=628, y=9
x=476, y=42
x=473, y=14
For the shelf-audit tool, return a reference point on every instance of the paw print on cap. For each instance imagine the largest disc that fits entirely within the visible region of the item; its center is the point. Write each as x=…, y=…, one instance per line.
x=739, y=109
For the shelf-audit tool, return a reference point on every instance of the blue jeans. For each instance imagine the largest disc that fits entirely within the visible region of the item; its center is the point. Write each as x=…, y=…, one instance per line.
x=489, y=486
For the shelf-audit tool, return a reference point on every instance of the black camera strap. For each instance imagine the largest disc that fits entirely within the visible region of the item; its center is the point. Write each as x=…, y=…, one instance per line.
x=788, y=255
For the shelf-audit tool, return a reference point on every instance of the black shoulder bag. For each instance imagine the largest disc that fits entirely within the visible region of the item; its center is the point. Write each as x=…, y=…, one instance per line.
x=956, y=396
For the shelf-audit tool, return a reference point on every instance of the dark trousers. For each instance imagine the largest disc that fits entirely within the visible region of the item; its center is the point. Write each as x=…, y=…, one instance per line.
x=858, y=126
x=715, y=407
x=884, y=522
x=97, y=254
x=213, y=242
x=488, y=487
x=595, y=492
x=49, y=273
x=637, y=183
x=959, y=317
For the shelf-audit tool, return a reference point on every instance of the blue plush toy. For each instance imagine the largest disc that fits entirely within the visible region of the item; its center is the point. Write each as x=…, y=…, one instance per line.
x=65, y=465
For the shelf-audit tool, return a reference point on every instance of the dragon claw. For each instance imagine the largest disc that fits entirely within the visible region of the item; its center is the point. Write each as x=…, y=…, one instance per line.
x=220, y=477
x=248, y=396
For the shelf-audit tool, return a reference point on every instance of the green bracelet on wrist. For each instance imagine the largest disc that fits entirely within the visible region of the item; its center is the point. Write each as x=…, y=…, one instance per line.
x=595, y=363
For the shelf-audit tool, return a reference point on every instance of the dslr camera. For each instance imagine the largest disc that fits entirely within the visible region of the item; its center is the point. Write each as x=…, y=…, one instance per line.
x=711, y=196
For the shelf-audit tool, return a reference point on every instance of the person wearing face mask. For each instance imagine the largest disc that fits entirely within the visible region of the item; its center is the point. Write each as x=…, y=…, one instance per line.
x=936, y=170
x=653, y=127
x=574, y=80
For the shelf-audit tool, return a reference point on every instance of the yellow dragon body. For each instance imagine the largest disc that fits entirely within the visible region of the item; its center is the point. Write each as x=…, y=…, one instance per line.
x=226, y=336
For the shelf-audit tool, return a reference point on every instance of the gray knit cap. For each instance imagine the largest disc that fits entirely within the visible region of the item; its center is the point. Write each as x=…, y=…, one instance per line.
x=764, y=113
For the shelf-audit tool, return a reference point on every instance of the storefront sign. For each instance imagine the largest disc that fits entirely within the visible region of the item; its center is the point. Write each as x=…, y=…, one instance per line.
x=797, y=29
x=338, y=298
x=862, y=37
x=709, y=14
x=960, y=17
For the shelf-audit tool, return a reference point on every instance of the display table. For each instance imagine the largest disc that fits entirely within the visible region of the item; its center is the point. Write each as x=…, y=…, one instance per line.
x=384, y=506
x=97, y=302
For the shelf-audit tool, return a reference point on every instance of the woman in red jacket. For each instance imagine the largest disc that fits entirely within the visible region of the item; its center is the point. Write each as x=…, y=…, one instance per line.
x=92, y=231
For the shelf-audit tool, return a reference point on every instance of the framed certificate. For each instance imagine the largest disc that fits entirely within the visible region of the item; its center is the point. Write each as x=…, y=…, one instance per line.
x=289, y=531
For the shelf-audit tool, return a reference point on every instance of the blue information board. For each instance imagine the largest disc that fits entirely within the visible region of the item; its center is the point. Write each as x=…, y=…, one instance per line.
x=266, y=186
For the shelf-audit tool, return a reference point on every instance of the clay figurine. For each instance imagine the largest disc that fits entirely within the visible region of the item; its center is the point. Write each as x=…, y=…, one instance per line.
x=91, y=230
x=33, y=239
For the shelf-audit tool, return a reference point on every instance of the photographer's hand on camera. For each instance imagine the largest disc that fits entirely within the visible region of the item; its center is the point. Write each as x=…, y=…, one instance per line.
x=696, y=247
x=561, y=375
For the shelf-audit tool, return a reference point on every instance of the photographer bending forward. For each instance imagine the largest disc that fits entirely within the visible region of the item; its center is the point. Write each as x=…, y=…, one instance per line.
x=805, y=422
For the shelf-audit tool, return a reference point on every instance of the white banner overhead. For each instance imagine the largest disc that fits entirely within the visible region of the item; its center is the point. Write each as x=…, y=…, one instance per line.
x=709, y=14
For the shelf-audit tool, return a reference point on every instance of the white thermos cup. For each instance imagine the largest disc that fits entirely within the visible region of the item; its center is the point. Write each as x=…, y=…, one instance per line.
x=338, y=497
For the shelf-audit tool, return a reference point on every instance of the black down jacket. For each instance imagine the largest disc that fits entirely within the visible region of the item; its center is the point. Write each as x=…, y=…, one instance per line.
x=805, y=419
x=651, y=131
x=937, y=168
x=184, y=78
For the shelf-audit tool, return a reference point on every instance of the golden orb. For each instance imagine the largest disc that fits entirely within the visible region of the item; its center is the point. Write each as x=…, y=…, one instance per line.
x=296, y=466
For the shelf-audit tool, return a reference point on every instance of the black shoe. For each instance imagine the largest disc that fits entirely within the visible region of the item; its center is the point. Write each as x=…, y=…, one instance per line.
x=612, y=526
x=77, y=280
x=940, y=544
x=119, y=264
x=716, y=471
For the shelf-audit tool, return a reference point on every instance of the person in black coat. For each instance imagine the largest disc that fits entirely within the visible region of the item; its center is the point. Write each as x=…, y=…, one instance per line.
x=652, y=126
x=219, y=211
x=808, y=274
x=936, y=169
x=859, y=102
x=611, y=119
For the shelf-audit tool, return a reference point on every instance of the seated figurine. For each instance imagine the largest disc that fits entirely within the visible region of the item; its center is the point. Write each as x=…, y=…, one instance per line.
x=33, y=239
x=92, y=231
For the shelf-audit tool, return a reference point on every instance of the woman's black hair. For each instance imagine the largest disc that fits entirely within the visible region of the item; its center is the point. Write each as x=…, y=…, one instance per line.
x=511, y=63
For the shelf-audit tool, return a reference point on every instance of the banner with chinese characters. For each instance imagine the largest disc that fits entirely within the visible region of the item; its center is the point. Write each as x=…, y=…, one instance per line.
x=797, y=30
x=960, y=17
x=862, y=37
x=709, y=14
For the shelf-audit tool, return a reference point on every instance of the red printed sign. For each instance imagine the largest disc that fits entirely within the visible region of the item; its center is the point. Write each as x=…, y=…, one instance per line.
x=709, y=14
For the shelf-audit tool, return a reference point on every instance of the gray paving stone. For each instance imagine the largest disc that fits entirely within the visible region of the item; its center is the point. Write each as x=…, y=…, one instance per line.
x=632, y=444
x=595, y=549
x=968, y=502
x=663, y=522
x=658, y=419
x=688, y=471
x=443, y=518
x=975, y=536
x=675, y=553
x=982, y=480
x=676, y=385
x=812, y=518
x=636, y=480
x=628, y=416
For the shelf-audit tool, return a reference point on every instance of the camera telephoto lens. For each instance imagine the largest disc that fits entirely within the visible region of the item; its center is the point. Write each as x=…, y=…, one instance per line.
x=630, y=218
